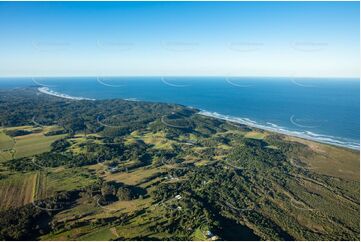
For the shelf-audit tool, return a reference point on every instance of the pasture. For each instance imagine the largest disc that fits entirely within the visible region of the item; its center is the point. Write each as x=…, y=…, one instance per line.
x=17, y=190
x=26, y=145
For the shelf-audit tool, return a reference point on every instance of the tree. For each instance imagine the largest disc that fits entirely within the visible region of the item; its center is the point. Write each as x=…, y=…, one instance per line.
x=124, y=194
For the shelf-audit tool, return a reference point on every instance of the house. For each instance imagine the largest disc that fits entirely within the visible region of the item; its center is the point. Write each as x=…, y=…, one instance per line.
x=113, y=169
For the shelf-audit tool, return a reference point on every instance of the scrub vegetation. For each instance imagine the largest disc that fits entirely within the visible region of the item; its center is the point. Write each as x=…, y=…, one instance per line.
x=123, y=170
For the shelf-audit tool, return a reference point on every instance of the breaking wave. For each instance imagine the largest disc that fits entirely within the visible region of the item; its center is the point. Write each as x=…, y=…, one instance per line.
x=48, y=91
x=339, y=141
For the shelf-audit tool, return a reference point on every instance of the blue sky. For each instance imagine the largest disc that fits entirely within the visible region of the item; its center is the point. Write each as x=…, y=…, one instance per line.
x=180, y=38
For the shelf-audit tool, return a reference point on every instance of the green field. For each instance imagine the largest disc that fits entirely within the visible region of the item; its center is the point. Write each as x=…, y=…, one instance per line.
x=6, y=142
x=33, y=144
x=27, y=145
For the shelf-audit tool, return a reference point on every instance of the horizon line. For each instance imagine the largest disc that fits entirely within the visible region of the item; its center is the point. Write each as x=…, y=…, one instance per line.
x=223, y=76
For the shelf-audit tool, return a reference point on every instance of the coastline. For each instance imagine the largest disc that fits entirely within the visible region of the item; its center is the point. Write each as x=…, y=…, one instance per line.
x=50, y=92
x=325, y=139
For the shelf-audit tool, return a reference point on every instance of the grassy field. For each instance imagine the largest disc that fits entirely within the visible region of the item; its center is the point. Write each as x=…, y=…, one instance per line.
x=103, y=234
x=255, y=135
x=17, y=190
x=40, y=191
x=6, y=142
x=67, y=179
x=26, y=145
x=6, y=155
x=331, y=160
x=33, y=144
x=78, y=140
x=6, y=145
x=158, y=140
x=134, y=177
x=139, y=227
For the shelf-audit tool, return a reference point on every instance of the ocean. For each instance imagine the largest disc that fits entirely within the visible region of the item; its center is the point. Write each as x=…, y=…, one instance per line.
x=322, y=109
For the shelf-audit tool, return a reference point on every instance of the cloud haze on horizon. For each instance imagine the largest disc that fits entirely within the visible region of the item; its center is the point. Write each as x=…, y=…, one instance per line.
x=180, y=39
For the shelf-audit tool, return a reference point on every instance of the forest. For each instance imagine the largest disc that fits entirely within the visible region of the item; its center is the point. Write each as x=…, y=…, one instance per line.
x=132, y=170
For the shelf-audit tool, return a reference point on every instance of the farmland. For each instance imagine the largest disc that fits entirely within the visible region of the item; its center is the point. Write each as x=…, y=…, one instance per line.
x=17, y=190
x=26, y=145
x=211, y=180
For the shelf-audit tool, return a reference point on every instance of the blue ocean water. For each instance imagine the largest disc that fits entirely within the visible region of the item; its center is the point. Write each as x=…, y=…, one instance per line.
x=326, y=110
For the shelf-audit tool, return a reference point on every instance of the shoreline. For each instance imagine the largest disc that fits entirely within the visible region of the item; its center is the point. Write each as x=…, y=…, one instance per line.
x=323, y=139
x=48, y=91
x=307, y=135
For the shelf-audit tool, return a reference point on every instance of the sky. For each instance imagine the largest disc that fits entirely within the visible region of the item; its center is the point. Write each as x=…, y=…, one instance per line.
x=313, y=39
